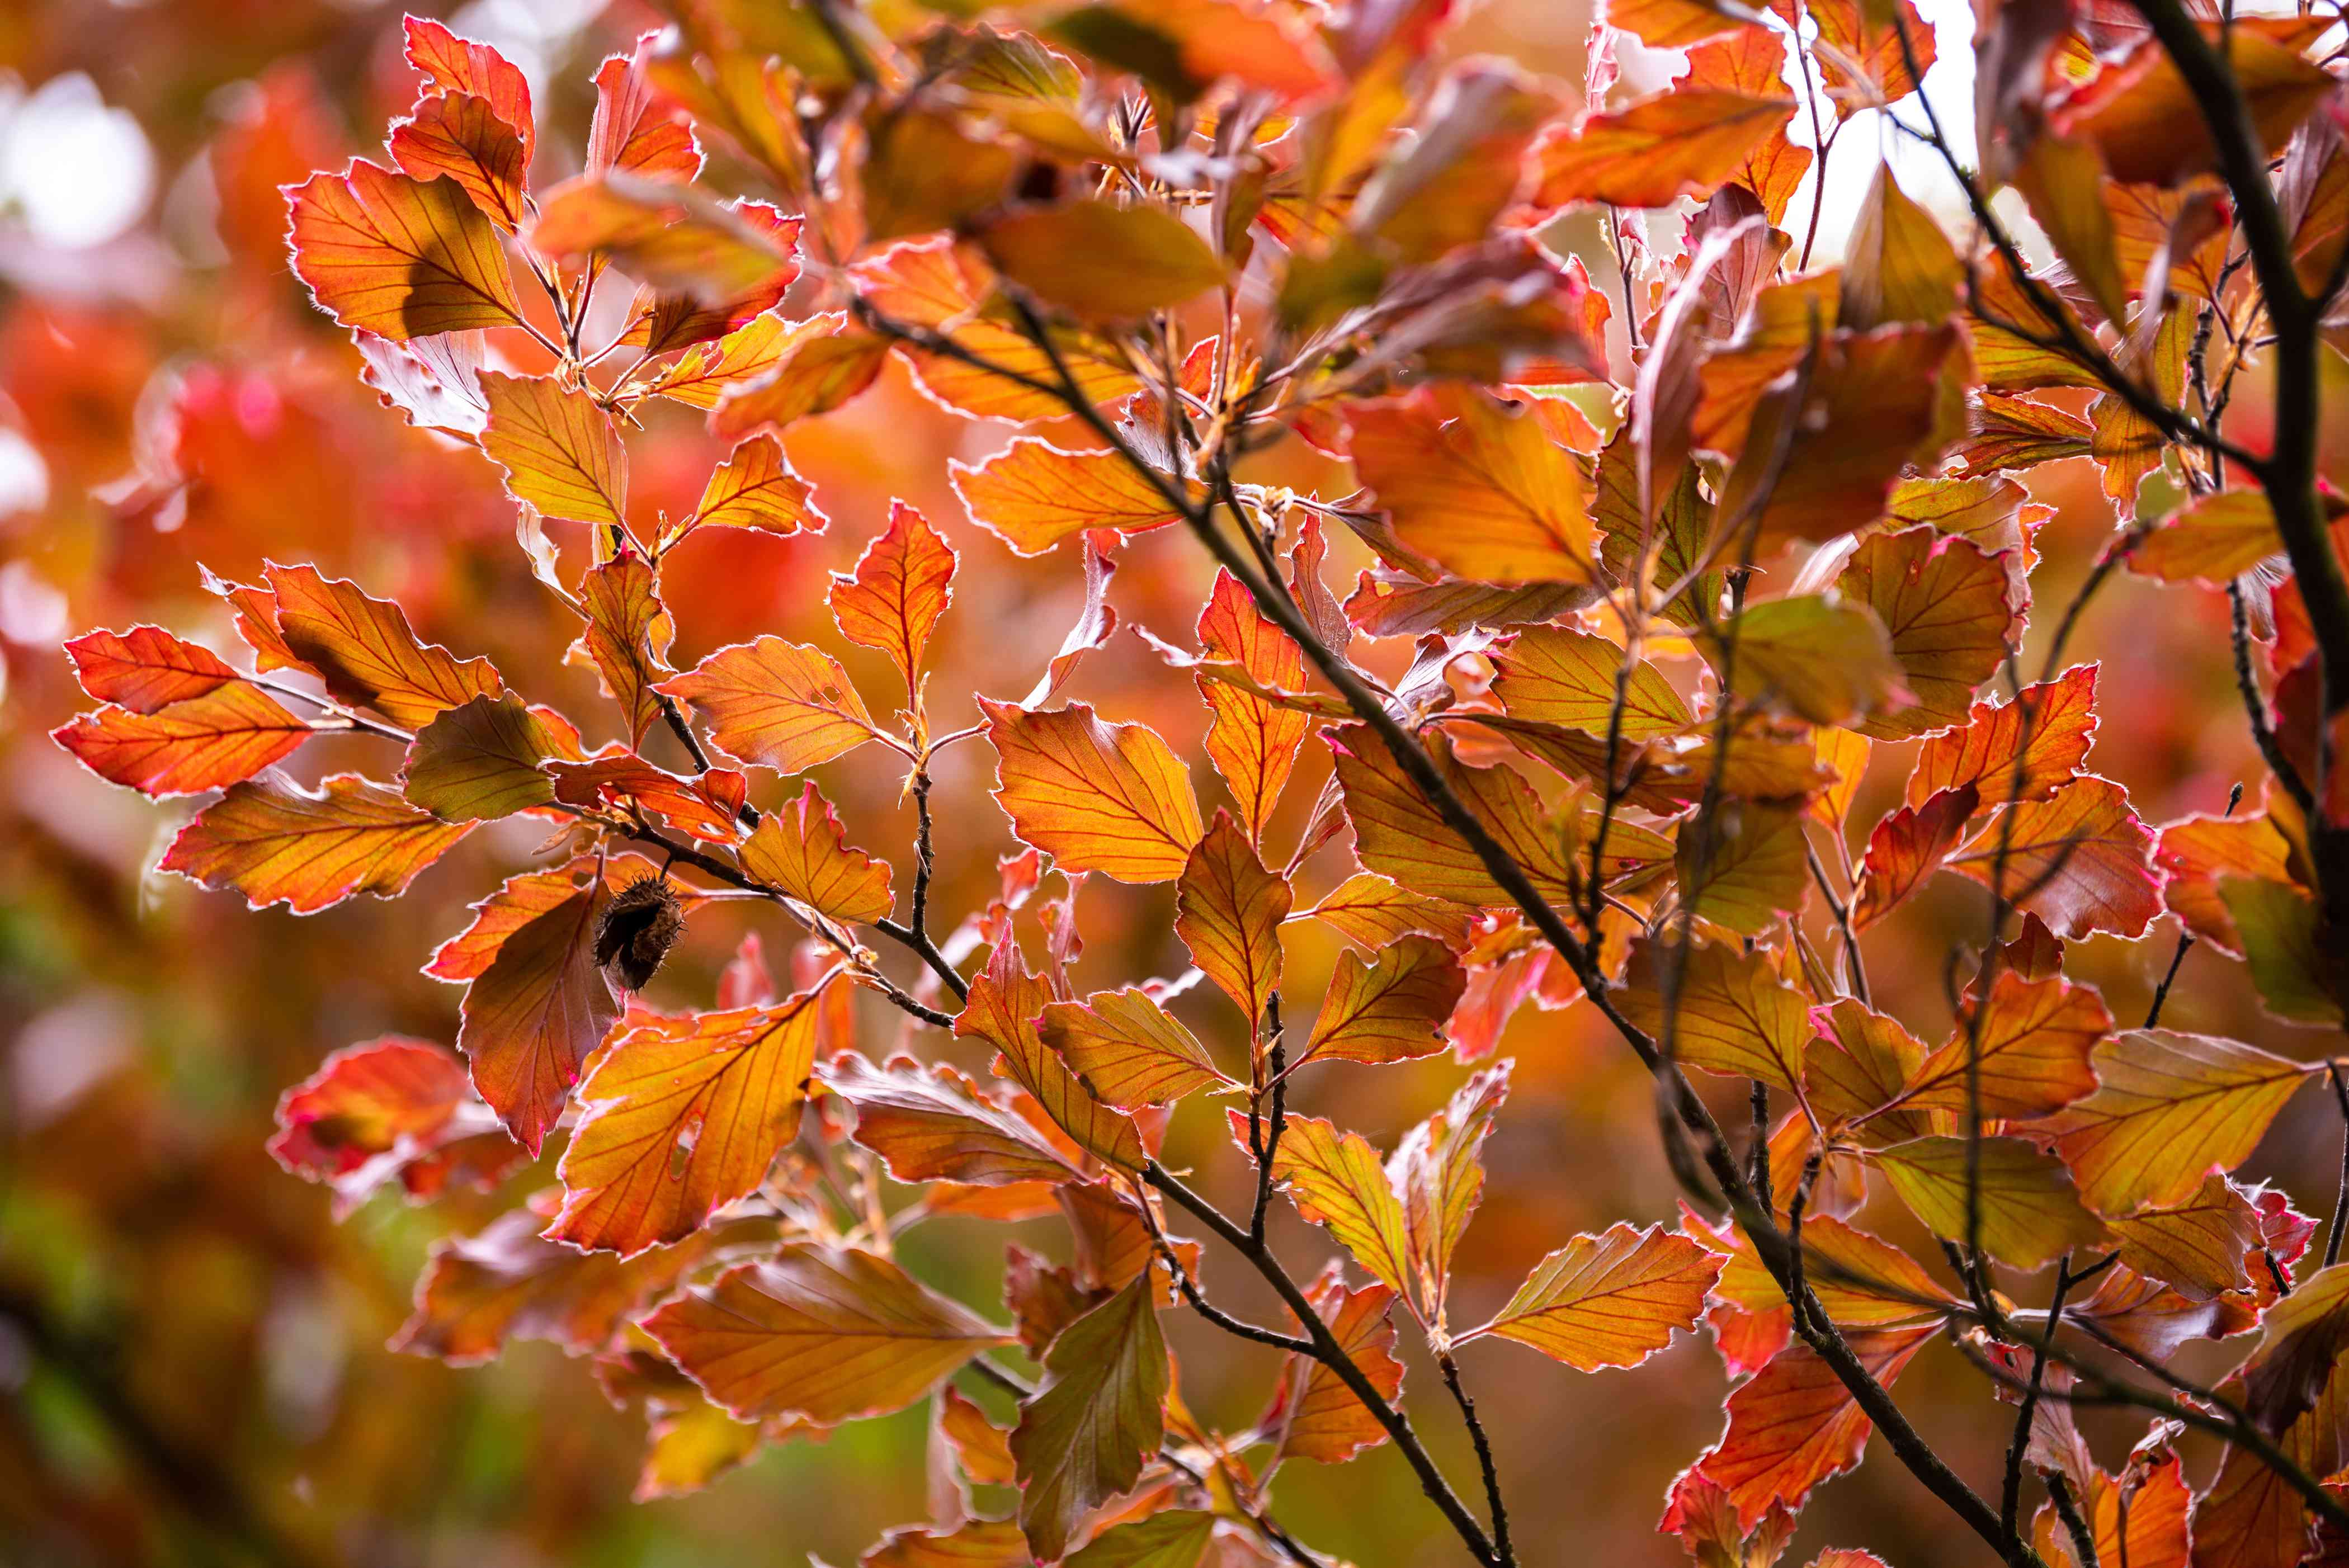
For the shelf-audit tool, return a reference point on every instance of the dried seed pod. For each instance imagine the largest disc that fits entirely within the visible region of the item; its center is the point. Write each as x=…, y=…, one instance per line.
x=641, y=925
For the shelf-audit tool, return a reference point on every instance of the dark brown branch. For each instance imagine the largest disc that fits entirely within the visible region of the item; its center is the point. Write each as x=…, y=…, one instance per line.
x=1450, y=1367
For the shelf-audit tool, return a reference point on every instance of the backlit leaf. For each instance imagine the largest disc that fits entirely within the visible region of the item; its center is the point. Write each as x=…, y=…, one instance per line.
x=2215, y=539
x=1951, y=614
x=628, y=635
x=2030, y=1215
x=1083, y=1439
x=1337, y=1181
x=1228, y=912
x=1252, y=743
x=461, y=136
x=205, y=742
x=1001, y=1010
x=276, y=842
x=1735, y=1015
x=669, y=235
x=1389, y=1010
x=1102, y=262
x=2170, y=1109
x=1399, y=833
x=1905, y=849
x=1477, y=487
x=932, y=1124
x=1569, y=676
x=827, y=1334
x=756, y=487
x=2077, y=860
x=1371, y=911
x=1109, y=798
x=480, y=760
x=679, y=1119
x=533, y=1017
x=780, y=705
x=2025, y=749
x=1652, y=152
x=902, y=586
x=146, y=668
x=362, y=649
x=1126, y=1051
x=1317, y=1417
x=401, y=257
x=560, y=452
x=2032, y=1048
x=1032, y=494
x=1794, y=1423
x=1610, y=1300
x=803, y=849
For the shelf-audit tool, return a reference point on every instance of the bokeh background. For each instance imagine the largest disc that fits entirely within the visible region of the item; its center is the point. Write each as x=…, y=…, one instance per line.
x=193, y=1353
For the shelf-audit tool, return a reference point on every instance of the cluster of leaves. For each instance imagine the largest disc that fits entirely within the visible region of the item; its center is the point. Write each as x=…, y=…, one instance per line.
x=1655, y=614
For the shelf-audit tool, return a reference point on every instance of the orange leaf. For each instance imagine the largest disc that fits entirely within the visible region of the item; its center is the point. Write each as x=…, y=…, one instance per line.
x=461, y=136
x=1794, y=1423
x=2214, y=541
x=1188, y=45
x=1109, y=798
x=1563, y=676
x=1952, y=611
x=803, y=849
x=756, y=487
x=678, y=1119
x=2140, y=112
x=1898, y=265
x=278, y=843
x=932, y=1124
x=1001, y=1010
x=1827, y=660
x=824, y=369
x=902, y=586
x=2170, y=1109
x=519, y=901
x=1126, y=1051
x=1438, y=1170
x=1399, y=832
x=1083, y=1439
x=391, y=1108
x=1735, y=1015
x=481, y=761
x=2032, y=1048
x=633, y=130
x=1477, y=487
x=1905, y=847
x=402, y=258
x=2021, y=750
x=559, y=450
x=1388, y=1011
x=1228, y=910
x=2076, y=860
x=2030, y=1215
x=146, y=668
x=628, y=635
x=1652, y=152
x=702, y=374
x=1032, y=495
x=1610, y=1300
x=1743, y=866
x=1101, y=260
x=1337, y=1181
x=1315, y=1415
x=2198, y=854
x=451, y=64
x=532, y=1019
x=780, y=705
x=1372, y=911
x=362, y=649
x=826, y=1334
x=671, y=236
x=1253, y=743
x=205, y=742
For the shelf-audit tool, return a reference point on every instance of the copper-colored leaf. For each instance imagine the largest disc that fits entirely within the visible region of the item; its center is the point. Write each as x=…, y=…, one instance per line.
x=1567, y=677
x=803, y=849
x=2020, y=750
x=532, y=1019
x=756, y=487
x=2077, y=860
x=932, y=1124
x=1032, y=494
x=1253, y=743
x=679, y=1119
x=1389, y=1010
x=1126, y=1051
x=1372, y=911
x=1652, y=152
x=1951, y=612
x=1228, y=910
x=362, y=649
x=1337, y=1181
x=1794, y=1423
x=2213, y=542
x=824, y=1333
x=1905, y=849
x=2170, y=1109
x=1733, y=1013
x=276, y=842
x=2030, y=1215
x=1399, y=832
x=1001, y=1010
x=1609, y=1300
x=1101, y=260
x=1083, y=1439
x=208, y=742
x=1481, y=488
x=780, y=705
x=480, y=760
x=146, y=668
x=902, y=586
x=1109, y=798
x=560, y=452
x=1317, y=1417
x=461, y=136
x=628, y=635
x=402, y=258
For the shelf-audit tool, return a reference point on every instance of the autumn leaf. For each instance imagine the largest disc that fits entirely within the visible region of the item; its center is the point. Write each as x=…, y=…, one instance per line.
x=1101, y=260
x=932, y=1124
x=1399, y=832
x=1316, y=1415
x=1228, y=913
x=824, y=1333
x=1371, y=911
x=362, y=649
x=2284, y=943
x=632, y=129
x=2030, y=1044
x=1032, y=495
x=1610, y=1300
x=804, y=851
x=461, y=136
x=536, y=1013
x=1001, y=1010
x=1743, y=865
x=2025, y=749
x=1337, y=1181
x=1479, y=488
x=1564, y=676
x=1387, y=1011
x=1732, y=1014
x=1652, y=152
x=453, y=64
x=1898, y=265
x=2140, y=113
x=1950, y=611
x=559, y=450
x=628, y=635
x=1126, y=1050
x=1794, y=1423
x=678, y=1119
x=669, y=235
x=2213, y=542
x=1082, y=1439
x=824, y=367
x=2030, y=1215
x=1252, y=743
x=1185, y=47
x=390, y=1109
x=211, y=741
x=1827, y=661
x=2077, y=860
x=2169, y=1108
x=146, y=669
x=780, y=705
x=1438, y=1172
x=480, y=760
x=399, y=257
x=276, y=842
x=902, y=586
x=1109, y=798
x=756, y=487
